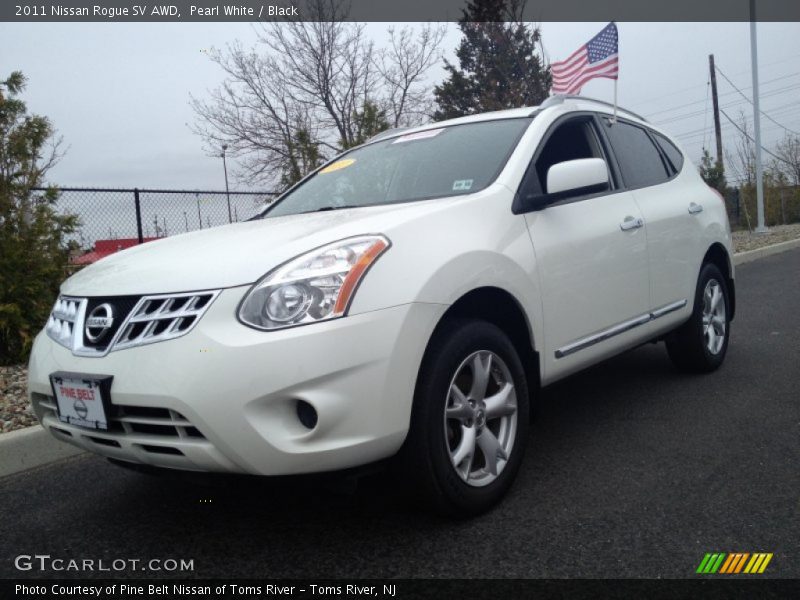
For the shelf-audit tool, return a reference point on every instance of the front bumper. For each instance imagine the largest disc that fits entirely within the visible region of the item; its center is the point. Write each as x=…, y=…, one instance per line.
x=223, y=397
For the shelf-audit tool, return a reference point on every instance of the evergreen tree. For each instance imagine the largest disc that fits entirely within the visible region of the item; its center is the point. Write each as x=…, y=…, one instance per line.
x=499, y=66
x=370, y=121
x=302, y=156
x=34, y=252
x=713, y=172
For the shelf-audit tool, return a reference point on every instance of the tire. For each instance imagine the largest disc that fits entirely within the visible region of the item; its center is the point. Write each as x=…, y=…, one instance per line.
x=434, y=462
x=700, y=344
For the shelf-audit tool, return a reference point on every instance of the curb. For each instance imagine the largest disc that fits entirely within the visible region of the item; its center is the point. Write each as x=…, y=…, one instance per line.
x=746, y=257
x=31, y=447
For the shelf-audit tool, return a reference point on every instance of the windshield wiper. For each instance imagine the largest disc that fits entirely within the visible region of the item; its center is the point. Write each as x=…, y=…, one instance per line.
x=327, y=208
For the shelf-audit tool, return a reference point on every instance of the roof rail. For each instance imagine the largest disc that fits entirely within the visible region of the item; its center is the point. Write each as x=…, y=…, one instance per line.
x=386, y=133
x=560, y=98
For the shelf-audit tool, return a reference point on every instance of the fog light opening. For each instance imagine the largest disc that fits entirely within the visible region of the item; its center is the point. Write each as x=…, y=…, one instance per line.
x=306, y=414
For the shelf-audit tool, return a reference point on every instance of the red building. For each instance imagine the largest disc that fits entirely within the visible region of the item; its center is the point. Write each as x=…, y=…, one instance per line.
x=103, y=248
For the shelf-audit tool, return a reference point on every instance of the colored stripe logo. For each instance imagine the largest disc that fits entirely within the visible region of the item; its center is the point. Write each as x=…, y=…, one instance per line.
x=734, y=563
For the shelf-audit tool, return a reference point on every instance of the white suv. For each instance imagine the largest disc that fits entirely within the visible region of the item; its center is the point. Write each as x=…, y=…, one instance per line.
x=405, y=301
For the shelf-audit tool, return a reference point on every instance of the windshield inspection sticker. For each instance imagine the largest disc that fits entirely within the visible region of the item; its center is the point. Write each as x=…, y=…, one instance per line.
x=338, y=165
x=461, y=185
x=422, y=135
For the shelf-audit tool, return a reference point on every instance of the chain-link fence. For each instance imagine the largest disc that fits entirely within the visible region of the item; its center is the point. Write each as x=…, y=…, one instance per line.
x=781, y=206
x=118, y=217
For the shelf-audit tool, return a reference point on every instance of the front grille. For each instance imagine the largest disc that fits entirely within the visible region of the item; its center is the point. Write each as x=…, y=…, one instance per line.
x=158, y=318
x=61, y=324
x=121, y=307
x=141, y=421
x=98, y=325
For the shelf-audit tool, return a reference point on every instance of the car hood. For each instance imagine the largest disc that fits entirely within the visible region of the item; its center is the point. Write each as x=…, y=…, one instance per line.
x=232, y=255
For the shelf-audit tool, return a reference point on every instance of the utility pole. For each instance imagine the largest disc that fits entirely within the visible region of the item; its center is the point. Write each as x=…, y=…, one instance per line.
x=715, y=103
x=761, y=227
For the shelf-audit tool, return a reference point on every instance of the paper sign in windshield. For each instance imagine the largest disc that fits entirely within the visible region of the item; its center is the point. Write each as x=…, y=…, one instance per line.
x=338, y=165
x=462, y=185
x=421, y=135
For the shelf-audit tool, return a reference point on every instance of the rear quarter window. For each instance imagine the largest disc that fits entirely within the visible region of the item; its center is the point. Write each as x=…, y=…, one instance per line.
x=672, y=153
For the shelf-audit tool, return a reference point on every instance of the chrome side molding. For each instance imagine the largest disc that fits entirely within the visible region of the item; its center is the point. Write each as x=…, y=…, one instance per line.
x=619, y=328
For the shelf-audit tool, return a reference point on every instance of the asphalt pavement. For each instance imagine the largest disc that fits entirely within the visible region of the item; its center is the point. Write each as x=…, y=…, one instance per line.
x=633, y=470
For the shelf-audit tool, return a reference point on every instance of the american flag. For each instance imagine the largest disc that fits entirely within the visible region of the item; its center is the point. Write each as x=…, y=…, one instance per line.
x=598, y=58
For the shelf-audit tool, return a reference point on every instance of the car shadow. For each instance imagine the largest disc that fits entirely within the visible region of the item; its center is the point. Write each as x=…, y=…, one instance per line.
x=566, y=410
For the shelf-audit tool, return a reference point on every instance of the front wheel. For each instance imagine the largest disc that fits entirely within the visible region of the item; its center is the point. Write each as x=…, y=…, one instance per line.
x=700, y=344
x=469, y=424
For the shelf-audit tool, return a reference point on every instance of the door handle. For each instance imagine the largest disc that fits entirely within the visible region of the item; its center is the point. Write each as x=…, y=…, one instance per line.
x=631, y=223
x=695, y=208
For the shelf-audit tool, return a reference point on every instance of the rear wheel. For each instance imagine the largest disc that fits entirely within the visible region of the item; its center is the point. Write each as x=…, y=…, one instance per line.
x=700, y=344
x=470, y=420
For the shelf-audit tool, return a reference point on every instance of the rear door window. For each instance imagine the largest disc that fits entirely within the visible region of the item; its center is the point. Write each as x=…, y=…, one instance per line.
x=639, y=159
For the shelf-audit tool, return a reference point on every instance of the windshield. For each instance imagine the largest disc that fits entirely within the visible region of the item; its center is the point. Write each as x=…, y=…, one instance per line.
x=449, y=161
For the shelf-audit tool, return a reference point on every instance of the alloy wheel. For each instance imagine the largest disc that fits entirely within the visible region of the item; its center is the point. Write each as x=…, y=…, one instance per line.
x=714, y=317
x=480, y=418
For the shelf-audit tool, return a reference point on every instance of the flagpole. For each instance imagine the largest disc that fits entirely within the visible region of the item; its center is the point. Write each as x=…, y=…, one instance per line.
x=761, y=228
x=617, y=77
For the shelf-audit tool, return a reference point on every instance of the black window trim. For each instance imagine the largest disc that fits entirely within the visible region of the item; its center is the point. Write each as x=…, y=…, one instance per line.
x=531, y=178
x=671, y=172
x=674, y=169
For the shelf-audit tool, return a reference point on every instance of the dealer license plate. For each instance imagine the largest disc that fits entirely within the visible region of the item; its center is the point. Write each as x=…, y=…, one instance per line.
x=82, y=399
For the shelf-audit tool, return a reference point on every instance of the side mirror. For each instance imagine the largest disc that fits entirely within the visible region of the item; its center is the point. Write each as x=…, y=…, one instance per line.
x=577, y=177
x=567, y=179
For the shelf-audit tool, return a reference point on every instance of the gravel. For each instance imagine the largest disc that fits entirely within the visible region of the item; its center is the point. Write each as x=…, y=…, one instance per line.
x=745, y=240
x=16, y=413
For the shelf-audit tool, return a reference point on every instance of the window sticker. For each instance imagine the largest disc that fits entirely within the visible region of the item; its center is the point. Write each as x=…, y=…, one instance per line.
x=421, y=135
x=338, y=165
x=461, y=185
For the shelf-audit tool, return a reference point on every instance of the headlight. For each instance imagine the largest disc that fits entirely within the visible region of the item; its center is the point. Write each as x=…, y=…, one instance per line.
x=315, y=286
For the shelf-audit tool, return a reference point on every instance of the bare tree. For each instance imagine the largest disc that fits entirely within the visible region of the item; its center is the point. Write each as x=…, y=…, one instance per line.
x=788, y=151
x=742, y=160
x=310, y=89
x=403, y=66
x=327, y=67
x=252, y=113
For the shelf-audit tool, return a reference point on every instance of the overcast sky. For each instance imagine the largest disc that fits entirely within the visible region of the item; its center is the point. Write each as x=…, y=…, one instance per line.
x=119, y=92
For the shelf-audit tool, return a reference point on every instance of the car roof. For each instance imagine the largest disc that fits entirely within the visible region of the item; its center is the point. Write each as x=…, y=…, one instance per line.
x=566, y=103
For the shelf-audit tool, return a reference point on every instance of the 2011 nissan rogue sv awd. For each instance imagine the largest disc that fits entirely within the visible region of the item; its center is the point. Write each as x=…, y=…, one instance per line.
x=406, y=300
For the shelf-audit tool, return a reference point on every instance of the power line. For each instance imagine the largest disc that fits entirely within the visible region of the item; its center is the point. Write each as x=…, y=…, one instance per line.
x=769, y=94
x=751, y=102
x=692, y=133
x=731, y=106
x=694, y=87
x=747, y=135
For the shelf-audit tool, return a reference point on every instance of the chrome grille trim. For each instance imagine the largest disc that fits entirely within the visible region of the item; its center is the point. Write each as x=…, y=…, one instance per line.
x=154, y=318
x=176, y=322
x=65, y=319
